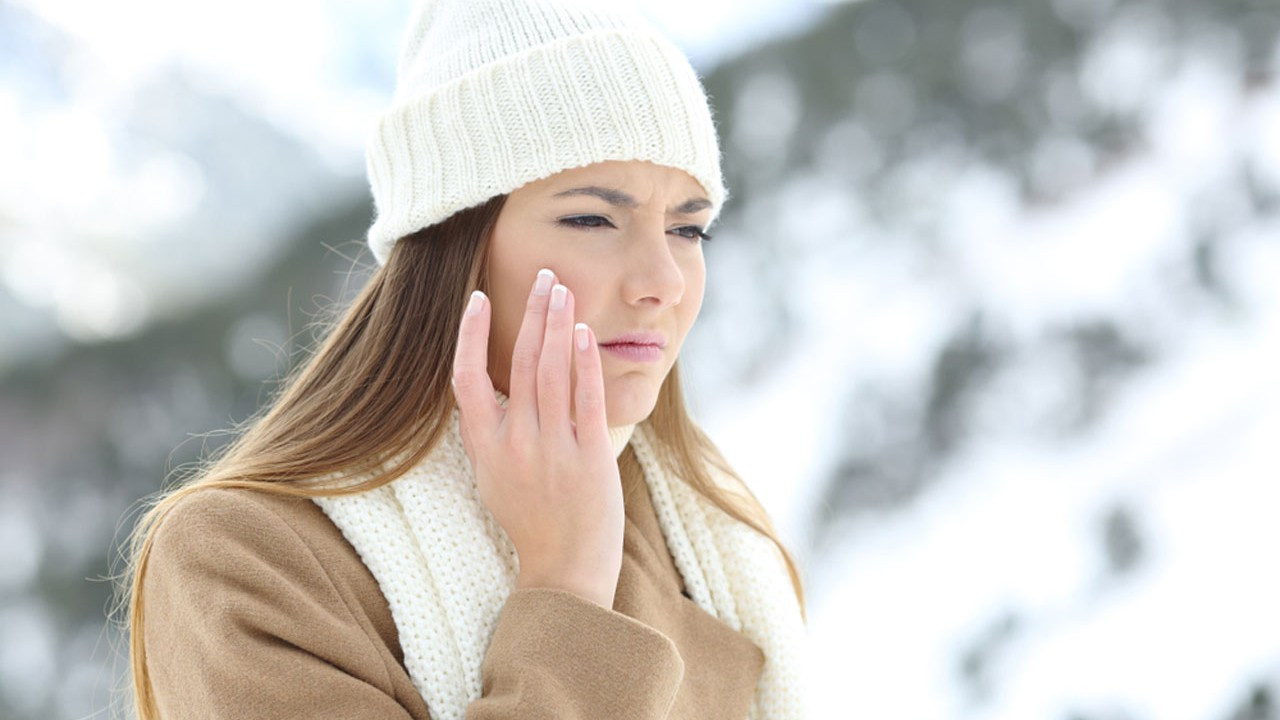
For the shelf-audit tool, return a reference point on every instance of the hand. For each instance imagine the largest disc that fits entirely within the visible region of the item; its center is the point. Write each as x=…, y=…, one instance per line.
x=551, y=484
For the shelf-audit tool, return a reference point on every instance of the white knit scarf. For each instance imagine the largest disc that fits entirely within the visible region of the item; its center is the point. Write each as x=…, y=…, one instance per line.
x=446, y=568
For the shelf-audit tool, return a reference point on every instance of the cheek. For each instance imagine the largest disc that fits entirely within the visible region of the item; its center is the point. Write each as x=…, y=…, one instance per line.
x=510, y=278
x=505, y=320
x=514, y=262
x=695, y=286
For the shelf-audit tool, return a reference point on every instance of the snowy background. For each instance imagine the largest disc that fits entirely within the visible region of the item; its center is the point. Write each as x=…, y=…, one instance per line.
x=992, y=321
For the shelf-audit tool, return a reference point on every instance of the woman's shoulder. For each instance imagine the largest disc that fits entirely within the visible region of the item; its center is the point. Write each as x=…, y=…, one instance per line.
x=226, y=514
x=244, y=589
x=237, y=542
x=228, y=533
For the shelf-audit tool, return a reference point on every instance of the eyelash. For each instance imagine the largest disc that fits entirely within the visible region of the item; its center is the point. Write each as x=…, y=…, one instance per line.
x=575, y=222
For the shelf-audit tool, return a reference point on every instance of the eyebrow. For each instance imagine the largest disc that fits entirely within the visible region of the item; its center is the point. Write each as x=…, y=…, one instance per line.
x=622, y=199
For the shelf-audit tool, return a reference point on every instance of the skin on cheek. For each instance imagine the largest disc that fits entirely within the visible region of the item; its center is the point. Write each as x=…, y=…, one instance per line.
x=503, y=328
x=513, y=266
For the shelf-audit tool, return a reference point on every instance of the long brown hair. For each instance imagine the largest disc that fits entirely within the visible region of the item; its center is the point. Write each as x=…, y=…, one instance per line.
x=378, y=386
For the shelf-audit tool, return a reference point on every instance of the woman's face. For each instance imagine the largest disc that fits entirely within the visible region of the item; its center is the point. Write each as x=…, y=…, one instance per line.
x=623, y=237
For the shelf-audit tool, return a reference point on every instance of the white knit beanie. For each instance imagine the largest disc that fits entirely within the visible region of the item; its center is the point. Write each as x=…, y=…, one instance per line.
x=494, y=94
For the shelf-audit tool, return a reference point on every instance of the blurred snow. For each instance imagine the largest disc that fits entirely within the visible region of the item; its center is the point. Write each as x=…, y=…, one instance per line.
x=1003, y=563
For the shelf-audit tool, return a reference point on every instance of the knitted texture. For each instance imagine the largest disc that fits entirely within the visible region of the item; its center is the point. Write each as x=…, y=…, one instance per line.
x=494, y=94
x=446, y=568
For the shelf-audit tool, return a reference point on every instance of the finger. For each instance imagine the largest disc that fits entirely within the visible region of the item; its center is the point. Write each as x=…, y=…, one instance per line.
x=589, y=400
x=471, y=384
x=554, y=365
x=528, y=348
x=464, y=429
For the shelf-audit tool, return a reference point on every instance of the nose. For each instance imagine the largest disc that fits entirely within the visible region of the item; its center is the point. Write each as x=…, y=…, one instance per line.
x=653, y=276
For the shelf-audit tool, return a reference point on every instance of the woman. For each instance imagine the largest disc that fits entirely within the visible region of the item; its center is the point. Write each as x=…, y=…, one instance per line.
x=483, y=496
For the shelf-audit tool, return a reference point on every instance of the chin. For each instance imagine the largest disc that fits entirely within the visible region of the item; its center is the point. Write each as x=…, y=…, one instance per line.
x=628, y=403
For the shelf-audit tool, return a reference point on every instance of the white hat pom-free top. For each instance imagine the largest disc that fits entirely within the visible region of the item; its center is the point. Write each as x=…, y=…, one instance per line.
x=494, y=94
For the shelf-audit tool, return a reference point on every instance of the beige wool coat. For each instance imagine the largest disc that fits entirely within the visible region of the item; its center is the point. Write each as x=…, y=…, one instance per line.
x=256, y=606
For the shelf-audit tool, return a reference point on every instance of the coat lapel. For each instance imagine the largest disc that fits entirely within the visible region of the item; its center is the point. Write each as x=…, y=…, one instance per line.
x=722, y=666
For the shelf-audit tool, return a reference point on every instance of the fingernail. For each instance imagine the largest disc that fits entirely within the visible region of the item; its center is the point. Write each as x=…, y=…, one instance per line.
x=580, y=334
x=558, y=295
x=543, y=284
x=475, y=303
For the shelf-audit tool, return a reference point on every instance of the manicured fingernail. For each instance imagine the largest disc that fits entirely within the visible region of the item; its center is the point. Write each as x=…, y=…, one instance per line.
x=475, y=303
x=558, y=294
x=580, y=334
x=542, y=285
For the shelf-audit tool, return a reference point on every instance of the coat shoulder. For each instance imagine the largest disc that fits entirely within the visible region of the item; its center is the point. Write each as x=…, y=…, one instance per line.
x=249, y=593
x=218, y=514
x=240, y=534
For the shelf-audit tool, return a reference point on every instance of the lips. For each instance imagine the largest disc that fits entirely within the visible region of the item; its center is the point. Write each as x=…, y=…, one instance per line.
x=640, y=346
x=640, y=337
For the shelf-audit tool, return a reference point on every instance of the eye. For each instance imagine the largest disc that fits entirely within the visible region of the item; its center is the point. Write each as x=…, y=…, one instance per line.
x=586, y=221
x=692, y=232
